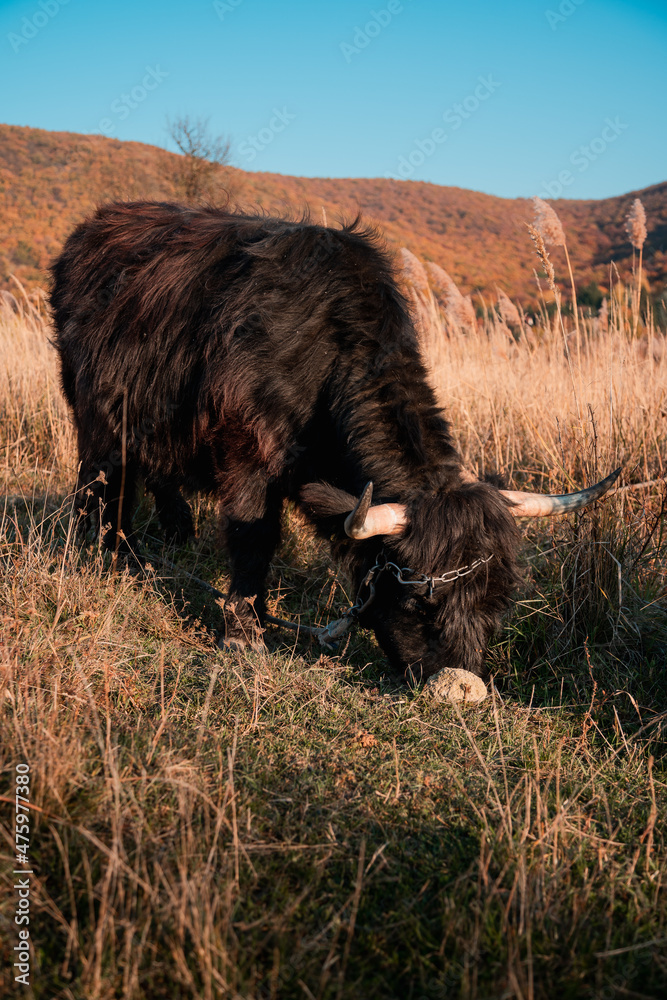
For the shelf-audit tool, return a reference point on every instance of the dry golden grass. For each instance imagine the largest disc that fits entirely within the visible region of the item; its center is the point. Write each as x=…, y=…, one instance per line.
x=209, y=824
x=517, y=405
x=37, y=439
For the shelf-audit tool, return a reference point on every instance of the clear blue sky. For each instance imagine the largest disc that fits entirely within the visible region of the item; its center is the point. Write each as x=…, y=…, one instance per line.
x=517, y=98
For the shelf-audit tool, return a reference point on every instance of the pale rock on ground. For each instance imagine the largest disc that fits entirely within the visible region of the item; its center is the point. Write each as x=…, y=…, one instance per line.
x=452, y=684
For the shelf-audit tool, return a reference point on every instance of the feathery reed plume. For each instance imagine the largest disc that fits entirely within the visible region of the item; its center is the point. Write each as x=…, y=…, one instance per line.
x=635, y=227
x=419, y=293
x=10, y=301
x=458, y=307
x=551, y=228
x=413, y=271
x=461, y=311
x=635, y=224
x=438, y=276
x=422, y=314
x=541, y=251
x=548, y=224
x=508, y=311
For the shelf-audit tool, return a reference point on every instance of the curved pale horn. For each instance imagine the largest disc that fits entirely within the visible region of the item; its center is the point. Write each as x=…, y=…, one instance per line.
x=540, y=505
x=365, y=521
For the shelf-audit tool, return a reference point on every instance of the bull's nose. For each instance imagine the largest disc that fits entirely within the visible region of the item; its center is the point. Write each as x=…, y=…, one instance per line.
x=454, y=685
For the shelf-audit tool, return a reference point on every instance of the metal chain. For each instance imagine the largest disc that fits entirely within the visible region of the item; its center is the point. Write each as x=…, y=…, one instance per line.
x=421, y=578
x=430, y=581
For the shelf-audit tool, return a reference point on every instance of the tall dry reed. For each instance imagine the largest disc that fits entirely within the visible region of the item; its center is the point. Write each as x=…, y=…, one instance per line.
x=635, y=227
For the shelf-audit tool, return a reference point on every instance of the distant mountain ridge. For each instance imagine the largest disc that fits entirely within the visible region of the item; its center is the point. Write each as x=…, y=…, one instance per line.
x=49, y=181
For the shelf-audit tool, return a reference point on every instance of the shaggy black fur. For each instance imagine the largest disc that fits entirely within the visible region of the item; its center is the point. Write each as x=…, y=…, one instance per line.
x=249, y=357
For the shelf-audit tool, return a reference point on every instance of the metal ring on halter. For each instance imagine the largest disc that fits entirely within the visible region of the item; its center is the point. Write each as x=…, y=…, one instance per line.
x=430, y=581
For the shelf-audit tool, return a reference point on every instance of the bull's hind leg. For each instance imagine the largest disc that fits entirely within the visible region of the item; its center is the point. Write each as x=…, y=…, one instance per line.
x=251, y=542
x=172, y=509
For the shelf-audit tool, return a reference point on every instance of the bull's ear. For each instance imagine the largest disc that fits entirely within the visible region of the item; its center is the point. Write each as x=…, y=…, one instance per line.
x=325, y=500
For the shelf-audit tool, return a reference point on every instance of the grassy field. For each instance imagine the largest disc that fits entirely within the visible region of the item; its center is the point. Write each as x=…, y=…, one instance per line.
x=291, y=824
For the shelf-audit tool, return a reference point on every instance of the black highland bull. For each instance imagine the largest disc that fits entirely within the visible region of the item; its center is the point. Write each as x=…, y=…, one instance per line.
x=259, y=360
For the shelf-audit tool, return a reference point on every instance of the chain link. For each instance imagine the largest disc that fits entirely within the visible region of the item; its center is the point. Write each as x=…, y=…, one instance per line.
x=430, y=581
x=417, y=579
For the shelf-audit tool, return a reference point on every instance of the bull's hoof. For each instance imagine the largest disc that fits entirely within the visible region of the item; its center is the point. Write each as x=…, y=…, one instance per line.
x=243, y=631
x=454, y=685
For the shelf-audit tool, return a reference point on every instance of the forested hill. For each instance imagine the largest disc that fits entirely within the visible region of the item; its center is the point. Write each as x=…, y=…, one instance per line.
x=49, y=181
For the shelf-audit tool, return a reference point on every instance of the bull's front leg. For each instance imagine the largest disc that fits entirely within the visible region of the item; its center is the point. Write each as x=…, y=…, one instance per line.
x=253, y=534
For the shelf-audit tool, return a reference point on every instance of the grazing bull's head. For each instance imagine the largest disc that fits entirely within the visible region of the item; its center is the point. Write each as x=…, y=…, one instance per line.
x=442, y=568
